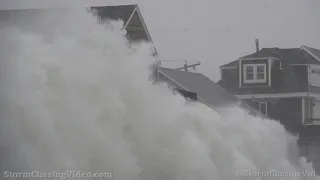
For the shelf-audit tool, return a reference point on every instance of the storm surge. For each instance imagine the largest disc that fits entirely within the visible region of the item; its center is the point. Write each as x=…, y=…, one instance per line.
x=75, y=96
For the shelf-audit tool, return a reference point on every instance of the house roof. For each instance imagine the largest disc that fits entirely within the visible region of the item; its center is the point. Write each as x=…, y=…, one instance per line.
x=231, y=64
x=207, y=91
x=133, y=21
x=313, y=51
x=264, y=52
x=303, y=55
x=122, y=12
x=129, y=14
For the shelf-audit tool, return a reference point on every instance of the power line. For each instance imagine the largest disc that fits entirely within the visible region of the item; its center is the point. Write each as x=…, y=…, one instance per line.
x=178, y=60
x=193, y=29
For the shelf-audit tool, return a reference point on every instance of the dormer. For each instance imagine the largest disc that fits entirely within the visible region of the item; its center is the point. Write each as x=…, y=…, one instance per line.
x=271, y=70
x=257, y=72
x=255, y=69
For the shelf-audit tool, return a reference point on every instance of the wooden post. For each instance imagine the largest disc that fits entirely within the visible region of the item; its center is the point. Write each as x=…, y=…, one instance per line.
x=185, y=67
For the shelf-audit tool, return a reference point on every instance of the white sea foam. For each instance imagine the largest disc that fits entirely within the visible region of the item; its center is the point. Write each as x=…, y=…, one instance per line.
x=74, y=96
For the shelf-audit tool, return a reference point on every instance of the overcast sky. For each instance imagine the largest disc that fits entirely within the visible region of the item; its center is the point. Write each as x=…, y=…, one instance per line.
x=214, y=32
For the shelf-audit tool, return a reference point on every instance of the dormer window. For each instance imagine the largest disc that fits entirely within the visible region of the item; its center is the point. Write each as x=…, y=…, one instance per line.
x=255, y=73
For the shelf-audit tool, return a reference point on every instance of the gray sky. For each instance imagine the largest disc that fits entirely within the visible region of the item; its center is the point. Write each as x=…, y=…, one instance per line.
x=215, y=32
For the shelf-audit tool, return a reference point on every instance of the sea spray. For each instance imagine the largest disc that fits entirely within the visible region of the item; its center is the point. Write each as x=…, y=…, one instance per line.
x=76, y=97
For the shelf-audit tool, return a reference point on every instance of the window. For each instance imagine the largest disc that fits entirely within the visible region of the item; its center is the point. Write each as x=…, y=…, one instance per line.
x=315, y=110
x=263, y=108
x=255, y=73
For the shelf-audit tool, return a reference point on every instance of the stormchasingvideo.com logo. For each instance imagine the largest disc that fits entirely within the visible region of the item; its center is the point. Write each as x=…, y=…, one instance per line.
x=275, y=173
x=58, y=175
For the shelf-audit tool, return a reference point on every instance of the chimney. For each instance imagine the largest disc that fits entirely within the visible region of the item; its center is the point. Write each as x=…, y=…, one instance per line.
x=257, y=45
x=185, y=66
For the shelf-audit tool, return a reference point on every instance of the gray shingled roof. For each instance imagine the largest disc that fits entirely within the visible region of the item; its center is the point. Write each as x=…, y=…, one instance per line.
x=122, y=12
x=208, y=91
x=231, y=64
x=314, y=51
x=288, y=56
x=27, y=18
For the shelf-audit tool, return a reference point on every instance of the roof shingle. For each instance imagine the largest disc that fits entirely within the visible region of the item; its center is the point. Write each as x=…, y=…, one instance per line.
x=287, y=56
x=212, y=93
x=314, y=51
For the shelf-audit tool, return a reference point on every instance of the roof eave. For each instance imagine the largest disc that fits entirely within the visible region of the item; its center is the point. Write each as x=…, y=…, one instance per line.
x=305, y=48
x=146, y=29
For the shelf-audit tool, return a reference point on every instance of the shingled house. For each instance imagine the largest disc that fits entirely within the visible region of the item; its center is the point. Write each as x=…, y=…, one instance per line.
x=131, y=16
x=283, y=84
x=197, y=87
x=191, y=85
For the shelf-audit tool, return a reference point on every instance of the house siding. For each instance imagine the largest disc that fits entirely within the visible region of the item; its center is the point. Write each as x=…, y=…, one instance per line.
x=307, y=110
x=135, y=29
x=288, y=79
x=244, y=62
x=287, y=111
x=314, y=89
x=230, y=74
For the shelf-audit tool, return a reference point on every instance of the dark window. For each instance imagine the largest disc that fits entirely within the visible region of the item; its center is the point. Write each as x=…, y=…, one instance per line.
x=260, y=72
x=255, y=73
x=263, y=108
x=249, y=73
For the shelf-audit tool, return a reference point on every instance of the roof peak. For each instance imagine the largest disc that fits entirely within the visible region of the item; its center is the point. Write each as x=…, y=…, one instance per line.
x=281, y=48
x=309, y=47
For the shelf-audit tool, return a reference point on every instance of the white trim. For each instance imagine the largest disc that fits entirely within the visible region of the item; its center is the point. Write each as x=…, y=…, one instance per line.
x=143, y=24
x=269, y=71
x=280, y=95
x=240, y=71
x=264, y=86
x=266, y=108
x=298, y=64
x=308, y=51
x=255, y=71
x=231, y=67
x=146, y=30
x=134, y=10
x=309, y=102
x=303, y=110
x=313, y=123
x=313, y=105
x=261, y=58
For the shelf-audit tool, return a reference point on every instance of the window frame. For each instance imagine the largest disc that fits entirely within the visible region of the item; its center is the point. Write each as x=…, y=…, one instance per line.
x=255, y=73
x=314, y=113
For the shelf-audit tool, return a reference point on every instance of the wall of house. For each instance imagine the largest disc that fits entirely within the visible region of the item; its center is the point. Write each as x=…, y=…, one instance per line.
x=287, y=110
x=230, y=74
x=310, y=148
x=301, y=75
x=135, y=29
x=284, y=79
x=231, y=78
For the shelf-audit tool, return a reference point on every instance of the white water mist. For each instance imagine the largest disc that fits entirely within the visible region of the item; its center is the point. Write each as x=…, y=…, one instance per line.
x=74, y=96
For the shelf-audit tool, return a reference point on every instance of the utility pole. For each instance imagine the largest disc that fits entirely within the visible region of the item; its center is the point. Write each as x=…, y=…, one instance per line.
x=186, y=66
